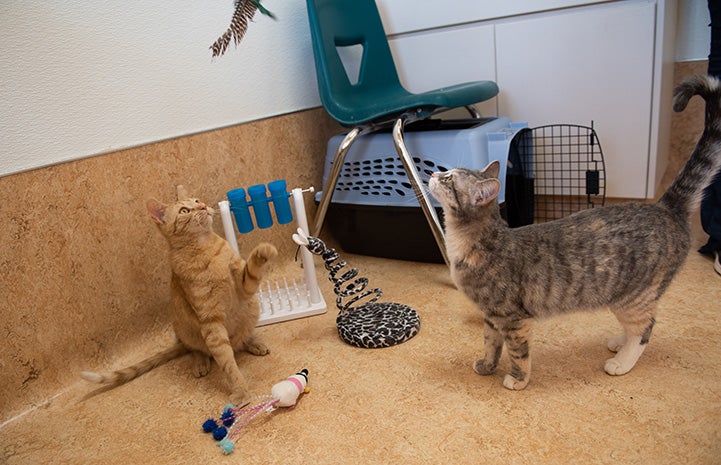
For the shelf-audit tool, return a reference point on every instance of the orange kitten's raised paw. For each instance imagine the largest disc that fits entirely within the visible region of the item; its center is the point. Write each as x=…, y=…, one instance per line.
x=264, y=253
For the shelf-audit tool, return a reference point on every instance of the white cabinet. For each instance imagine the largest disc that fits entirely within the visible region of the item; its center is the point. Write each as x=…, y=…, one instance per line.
x=574, y=67
x=433, y=59
x=610, y=63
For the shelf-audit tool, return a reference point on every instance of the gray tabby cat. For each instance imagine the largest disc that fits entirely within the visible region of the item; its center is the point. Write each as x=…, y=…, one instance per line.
x=621, y=257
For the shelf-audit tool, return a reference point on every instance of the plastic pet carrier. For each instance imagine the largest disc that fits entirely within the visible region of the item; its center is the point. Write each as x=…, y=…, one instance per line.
x=554, y=171
x=374, y=210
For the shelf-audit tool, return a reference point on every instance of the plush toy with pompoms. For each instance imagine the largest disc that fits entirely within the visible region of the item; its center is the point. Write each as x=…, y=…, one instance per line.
x=228, y=426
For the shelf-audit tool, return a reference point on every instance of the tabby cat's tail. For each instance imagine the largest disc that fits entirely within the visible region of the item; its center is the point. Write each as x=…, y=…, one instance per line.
x=116, y=378
x=684, y=194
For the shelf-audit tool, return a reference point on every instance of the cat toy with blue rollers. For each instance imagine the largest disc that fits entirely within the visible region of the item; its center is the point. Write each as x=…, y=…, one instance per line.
x=231, y=422
x=290, y=298
x=259, y=201
x=371, y=324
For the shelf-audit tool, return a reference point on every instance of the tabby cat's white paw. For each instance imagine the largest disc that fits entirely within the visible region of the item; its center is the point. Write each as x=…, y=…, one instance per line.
x=509, y=382
x=615, y=343
x=615, y=368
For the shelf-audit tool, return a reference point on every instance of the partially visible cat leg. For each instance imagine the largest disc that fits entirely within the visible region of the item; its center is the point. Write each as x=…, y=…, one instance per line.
x=255, y=347
x=637, y=334
x=493, y=346
x=615, y=343
x=201, y=363
x=216, y=338
x=518, y=334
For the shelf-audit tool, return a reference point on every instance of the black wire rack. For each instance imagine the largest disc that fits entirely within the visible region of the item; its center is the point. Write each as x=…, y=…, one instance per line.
x=554, y=171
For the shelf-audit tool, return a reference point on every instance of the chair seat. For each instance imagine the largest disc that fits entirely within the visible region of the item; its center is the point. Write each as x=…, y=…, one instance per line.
x=385, y=104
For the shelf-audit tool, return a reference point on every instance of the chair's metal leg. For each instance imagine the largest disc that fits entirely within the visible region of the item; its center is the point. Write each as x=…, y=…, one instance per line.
x=330, y=183
x=473, y=111
x=415, y=179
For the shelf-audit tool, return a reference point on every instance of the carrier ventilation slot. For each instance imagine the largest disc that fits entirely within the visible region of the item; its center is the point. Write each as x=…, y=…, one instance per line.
x=383, y=176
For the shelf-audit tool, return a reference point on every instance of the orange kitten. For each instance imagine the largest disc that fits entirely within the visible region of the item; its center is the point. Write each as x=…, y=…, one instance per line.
x=213, y=310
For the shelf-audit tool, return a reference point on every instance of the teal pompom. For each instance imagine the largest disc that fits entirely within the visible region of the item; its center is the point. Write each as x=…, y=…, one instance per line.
x=226, y=446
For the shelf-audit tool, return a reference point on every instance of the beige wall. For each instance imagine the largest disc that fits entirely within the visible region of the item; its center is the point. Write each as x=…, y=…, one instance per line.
x=83, y=269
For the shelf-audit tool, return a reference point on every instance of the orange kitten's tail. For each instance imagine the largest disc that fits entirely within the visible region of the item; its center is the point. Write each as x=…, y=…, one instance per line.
x=116, y=378
x=684, y=194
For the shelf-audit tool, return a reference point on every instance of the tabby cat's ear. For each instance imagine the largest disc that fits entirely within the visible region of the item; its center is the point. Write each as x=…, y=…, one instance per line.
x=156, y=210
x=493, y=169
x=484, y=192
x=182, y=193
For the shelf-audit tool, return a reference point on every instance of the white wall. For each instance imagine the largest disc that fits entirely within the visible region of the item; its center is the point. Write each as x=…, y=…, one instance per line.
x=693, y=36
x=427, y=13
x=80, y=78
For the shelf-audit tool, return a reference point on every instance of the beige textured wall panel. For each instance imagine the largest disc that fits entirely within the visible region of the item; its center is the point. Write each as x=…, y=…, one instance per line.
x=84, y=270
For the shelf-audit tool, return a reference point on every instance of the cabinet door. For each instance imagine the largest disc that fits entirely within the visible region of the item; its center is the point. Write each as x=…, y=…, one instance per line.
x=434, y=59
x=592, y=64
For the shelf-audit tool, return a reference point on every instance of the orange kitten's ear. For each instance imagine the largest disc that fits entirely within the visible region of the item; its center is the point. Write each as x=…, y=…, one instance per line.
x=182, y=193
x=484, y=192
x=156, y=210
x=492, y=169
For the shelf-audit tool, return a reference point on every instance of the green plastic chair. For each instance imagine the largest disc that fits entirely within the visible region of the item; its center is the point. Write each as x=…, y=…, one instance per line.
x=378, y=99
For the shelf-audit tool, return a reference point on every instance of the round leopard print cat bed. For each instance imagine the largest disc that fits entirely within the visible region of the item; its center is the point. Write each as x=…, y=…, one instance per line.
x=377, y=325
x=370, y=325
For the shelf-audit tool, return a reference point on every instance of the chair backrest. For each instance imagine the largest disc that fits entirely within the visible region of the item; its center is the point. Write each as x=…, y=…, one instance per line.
x=344, y=23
